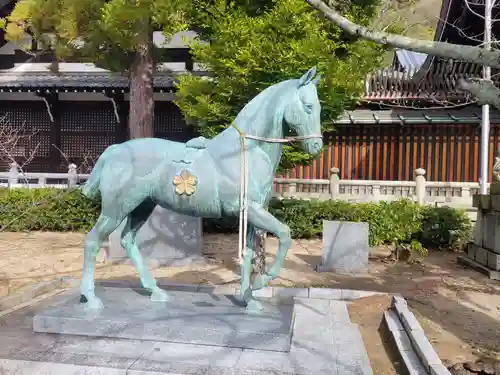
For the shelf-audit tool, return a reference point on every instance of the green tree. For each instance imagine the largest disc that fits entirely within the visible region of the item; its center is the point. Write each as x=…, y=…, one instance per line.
x=114, y=34
x=252, y=47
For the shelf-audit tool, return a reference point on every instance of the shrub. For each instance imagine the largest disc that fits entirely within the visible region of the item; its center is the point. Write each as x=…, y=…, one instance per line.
x=53, y=210
x=395, y=222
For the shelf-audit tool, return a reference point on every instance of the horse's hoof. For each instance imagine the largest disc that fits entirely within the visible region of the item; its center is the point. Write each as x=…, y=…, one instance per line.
x=93, y=303
x=254, y=305
x=159, y=295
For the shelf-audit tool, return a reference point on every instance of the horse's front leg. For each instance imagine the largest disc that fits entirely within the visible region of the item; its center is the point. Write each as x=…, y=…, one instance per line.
x=261, y=218
x=246, y=273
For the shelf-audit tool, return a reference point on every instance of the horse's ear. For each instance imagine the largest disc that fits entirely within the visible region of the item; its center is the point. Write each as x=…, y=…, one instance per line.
x=306, y=78
x=316, y=79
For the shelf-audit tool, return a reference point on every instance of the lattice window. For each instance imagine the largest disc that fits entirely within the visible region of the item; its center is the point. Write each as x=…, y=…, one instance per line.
x=24, y=133
x=168, y=121
x=87, y=128
x=88, y=117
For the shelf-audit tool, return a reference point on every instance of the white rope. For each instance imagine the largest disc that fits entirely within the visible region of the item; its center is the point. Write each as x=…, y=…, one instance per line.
x=243, y=227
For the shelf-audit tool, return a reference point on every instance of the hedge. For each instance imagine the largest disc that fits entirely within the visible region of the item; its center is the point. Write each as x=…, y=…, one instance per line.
x=395, y=222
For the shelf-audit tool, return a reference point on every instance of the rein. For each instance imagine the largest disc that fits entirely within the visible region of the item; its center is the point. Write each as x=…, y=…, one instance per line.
x=243, y=225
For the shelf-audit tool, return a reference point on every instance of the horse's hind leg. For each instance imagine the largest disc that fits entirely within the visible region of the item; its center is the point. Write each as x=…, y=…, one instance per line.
x=101, y=230
x=135, y=221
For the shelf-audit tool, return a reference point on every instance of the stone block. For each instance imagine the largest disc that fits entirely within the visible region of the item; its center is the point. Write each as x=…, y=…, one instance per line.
x=188, y=318
x=466, y=261
x=290, y=293
x=476, y=202
x=424, y=349
x=494, y=260
x=485, y=201
x=495, y=201
x=325, y=293
x=345, y=247
x=392, y=321
x=471, y=250
x=409, y=320
x=491, y=221
x=478, y=228
x=439, y=369
x=412, y=363
x=166, y=239
x=481, y=256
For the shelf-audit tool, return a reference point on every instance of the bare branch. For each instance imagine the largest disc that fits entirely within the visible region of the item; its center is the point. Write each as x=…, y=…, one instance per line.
x=441, y=49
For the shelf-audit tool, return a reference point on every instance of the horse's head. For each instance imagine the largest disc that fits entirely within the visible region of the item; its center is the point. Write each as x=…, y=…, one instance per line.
x=302, y=112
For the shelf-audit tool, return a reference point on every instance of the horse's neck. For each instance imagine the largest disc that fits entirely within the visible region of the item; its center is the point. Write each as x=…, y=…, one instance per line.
x=258, y=118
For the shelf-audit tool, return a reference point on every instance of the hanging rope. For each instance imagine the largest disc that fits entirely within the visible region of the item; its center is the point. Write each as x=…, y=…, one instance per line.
x=243, y=225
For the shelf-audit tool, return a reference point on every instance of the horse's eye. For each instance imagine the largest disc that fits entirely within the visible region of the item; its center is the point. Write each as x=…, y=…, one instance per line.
x=309, y=107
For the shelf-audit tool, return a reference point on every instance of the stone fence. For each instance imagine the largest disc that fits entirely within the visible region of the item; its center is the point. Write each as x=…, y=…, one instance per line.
x=458, y=194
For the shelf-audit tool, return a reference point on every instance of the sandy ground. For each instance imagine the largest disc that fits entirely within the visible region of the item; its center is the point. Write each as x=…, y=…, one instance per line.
x=458, y=307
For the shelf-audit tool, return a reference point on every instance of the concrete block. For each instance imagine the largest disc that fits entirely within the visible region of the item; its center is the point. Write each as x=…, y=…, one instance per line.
x=481, y=256
x=11, y=301
x=471, y=250
x=424, y=349
x=345, y=247
x=495, y=201
x=392, y=321
x=350, y=294
x=439, y=369
x=478, y=229
x=266, y=292
x=409, y=321
x=466, y=261
x=188, y=318
x=213, y=289
x=485, y=201
x=491, y=221
x=166, y=239
x=402, y=341
x=288, y=293
x=494, y=261
x=325, y=293
x=412, y=363
x=46, y=287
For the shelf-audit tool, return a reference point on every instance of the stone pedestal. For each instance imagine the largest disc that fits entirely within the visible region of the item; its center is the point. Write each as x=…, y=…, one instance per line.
x=188, y=318
x=484, y=253
x=345, y=247
x=166, y=239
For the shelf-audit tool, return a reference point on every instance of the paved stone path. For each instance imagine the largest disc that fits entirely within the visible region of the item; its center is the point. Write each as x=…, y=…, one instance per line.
x=324, y=341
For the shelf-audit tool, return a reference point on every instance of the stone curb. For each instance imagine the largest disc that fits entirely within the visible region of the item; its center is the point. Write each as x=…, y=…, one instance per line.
x=417, y=353
x=34, y=291
x=267, y=292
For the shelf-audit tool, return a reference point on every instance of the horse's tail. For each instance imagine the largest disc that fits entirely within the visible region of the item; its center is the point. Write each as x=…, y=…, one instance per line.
x=91, y=187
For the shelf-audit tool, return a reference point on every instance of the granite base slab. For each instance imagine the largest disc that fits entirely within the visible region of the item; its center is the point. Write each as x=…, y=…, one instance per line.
x=189, y=318
x=324, y=342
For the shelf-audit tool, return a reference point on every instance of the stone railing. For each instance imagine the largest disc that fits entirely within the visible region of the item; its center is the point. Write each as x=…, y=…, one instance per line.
x=16, y=178
x=419, y=190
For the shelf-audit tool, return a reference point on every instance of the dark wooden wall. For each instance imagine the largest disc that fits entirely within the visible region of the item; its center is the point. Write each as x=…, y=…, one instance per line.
x=81, y=132
x=364, y=152
x=393, y=152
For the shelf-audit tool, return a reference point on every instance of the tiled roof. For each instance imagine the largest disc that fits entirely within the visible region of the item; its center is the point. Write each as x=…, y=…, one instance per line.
x=16, y=80
x=409, y=116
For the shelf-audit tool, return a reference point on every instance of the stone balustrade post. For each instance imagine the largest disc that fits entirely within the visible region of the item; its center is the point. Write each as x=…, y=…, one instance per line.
x=334, y=183
x=292, y=188
x=420, y=185
x=72, y=176
x=13, y=174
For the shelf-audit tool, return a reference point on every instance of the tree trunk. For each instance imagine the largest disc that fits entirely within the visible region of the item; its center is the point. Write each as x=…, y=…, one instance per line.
x=471, y=54
x=141, y=108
